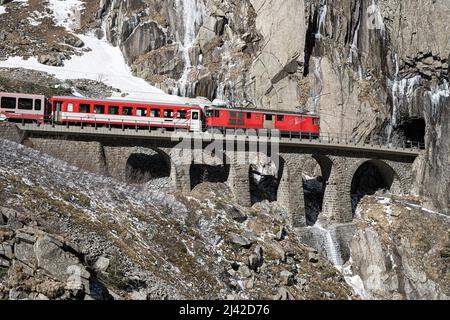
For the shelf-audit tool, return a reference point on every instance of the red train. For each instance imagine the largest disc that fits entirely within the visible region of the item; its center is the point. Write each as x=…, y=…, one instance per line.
x=284, y=121
x=64, y=110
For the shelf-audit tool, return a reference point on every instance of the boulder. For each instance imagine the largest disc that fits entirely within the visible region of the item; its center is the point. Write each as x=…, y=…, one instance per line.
x=256, y=260
x=74, y=41
x=283, y=294
x=102, y=264
x=6, y=250
x=138, y=295
x=24, y=253
x=17, y=295
x=249, y=284
x=281, y=234
x=236, y=214
x=10, y=216
x=244, y=272
x=56, y=262
x=51, y=60
x=287, y=278
x=313, y=257
x=4, y=262
x=240, y=240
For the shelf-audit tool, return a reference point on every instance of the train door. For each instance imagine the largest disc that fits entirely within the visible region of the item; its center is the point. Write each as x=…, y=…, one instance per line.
x=269, y=121
x=196, y=122
x=57, y=111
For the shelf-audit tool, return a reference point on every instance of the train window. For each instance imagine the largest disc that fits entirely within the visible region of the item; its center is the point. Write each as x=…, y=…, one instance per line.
x=168, y=113
x=195, y=115
x=37, y=104
x=25, y=104
x=209, y=113
x=313, y=121
x=99, y=109
x=127, y=111
x=84, y=108
x=280, y=118
x=249, y=115
x=269, y=117
x=155, y=113
x=217, y=114
x=70, y=107
x=113, y=110
x=8, y=103
x=181, y=114
x=141, y=112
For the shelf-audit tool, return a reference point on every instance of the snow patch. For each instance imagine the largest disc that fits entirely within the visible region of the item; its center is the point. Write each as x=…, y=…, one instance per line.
x=2, y=9
x=104, y=63
x=66, y=13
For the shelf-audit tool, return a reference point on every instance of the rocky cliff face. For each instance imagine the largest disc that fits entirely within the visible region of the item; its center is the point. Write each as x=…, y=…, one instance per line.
x=369, y=68
x=400, y=250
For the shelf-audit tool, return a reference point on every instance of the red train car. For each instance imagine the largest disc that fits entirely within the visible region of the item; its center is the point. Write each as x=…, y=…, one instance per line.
x=284, y=121
x=126, y=112
x=23, y=107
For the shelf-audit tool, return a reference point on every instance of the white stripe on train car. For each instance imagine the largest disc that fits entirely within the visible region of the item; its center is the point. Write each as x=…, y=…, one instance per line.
x=72, y=116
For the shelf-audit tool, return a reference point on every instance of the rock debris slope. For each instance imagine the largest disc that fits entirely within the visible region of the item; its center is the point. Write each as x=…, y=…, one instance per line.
x=69, y=234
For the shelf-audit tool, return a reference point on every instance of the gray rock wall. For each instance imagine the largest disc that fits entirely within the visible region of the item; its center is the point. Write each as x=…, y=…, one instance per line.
x=366, y=68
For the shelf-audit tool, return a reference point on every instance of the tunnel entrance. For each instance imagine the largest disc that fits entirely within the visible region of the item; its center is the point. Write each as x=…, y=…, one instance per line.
x=413, y=130
x=143, y=167
x=371, y=177
x=201, y=173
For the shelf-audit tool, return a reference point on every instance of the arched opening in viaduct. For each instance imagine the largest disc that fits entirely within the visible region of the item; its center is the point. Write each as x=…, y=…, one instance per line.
x=145, y=165
x=371, y=177
x=264, y=178
x=201, y=173
x=316, y=172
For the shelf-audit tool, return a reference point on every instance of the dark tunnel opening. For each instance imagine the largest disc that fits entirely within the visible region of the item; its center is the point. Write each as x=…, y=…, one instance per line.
x=264, y=184
x=142, y=168
x=201, y=173
x=413, y=130
x=370, y=178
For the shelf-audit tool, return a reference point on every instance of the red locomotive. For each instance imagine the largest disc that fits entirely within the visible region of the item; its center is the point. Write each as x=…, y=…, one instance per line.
x=284, y=121
x=65, y=110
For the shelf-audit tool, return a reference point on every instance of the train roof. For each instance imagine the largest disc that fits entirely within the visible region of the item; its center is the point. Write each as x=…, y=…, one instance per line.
x=158, y=102
x=265, y=111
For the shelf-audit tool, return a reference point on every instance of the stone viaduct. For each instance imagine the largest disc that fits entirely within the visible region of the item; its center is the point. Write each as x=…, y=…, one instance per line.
x=108, y=152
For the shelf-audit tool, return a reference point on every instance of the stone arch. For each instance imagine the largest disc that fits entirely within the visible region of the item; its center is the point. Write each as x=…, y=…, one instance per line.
x=368, y=176
x=314, y=185
x=208, y=167
x=201, y=173
x=264, y=177
x=144, y=164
